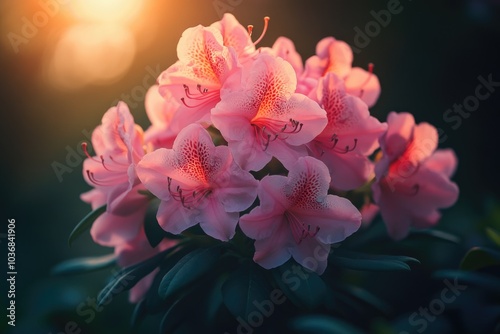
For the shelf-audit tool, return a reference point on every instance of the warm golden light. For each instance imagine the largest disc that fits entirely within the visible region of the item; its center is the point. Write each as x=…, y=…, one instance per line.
x=91, y=54
x=116, y=11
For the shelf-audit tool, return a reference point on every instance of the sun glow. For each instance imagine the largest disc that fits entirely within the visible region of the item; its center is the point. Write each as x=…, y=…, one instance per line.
x=91, y=54
x=115, y=11
x=99, y=47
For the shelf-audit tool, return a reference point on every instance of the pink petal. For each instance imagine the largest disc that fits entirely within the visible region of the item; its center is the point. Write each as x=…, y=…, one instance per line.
x=340, y=58
x=270, y=80
x=311, y=254
x=235, y=35
x=237, y=189
x=95, y=197
x=308, y=182
x=112, y=230
x=396, y=218
x=368, y=212
x=443, y=161
x=120, y=133
x=331, y=56
x=196, y=159
x=364, y=85
x=425, y=141
x=263, y=220
x=349, y=120
x=399, y=134
x=349, y=170
x=336, y=217
x=427, y=221
x=249, y=154
x=306, y=193
x=307, y=112
x=174, y=218
x=286, y=154
x=275, y=250
x=216, y=222
x=152, y=171
x=159, y=109
x=435, y=190
x=283, y=47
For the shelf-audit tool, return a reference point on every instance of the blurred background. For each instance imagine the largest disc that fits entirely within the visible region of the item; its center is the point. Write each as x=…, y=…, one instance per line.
x=64, y=63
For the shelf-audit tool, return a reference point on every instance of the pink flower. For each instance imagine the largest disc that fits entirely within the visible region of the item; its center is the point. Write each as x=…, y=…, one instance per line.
x=336, y=56
x=350, y=136
x=236, y=36
x=111, y=229
x=262, y=117
x=283, y=47
x=413, y=179
x=166, y=122
x=331, y=56
x=136, y=251
x=118, y=144
x=203, y=67
x=197, y=183
x=297, y=218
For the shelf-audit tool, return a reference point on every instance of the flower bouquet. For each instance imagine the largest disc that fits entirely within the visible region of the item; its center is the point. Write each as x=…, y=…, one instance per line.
x=228, y=213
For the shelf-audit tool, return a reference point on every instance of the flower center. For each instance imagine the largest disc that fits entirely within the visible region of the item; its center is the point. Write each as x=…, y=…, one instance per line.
x=346, y=149
x=268, y=129
x=300, y=230
x=117, y=170
x=201, y=97
x=189, y=198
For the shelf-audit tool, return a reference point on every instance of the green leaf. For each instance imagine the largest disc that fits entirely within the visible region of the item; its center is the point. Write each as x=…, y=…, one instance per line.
x=85, y=224
x=440, y=235
x=370, y=262
x=140, y=312
x=214, y=302
x=479, y=257
x=485, y=281
x=366, y=297
x=188, y=270
x=313, y=324
x=304, y=288
x=181, y=310
x=154, y=303
x=493, y=235
x=128, y=277
x=246, y=290
x=84, y=264
x=154, y=232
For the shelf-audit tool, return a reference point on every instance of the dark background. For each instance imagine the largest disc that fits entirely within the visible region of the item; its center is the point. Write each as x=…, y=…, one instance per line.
x=428, y=58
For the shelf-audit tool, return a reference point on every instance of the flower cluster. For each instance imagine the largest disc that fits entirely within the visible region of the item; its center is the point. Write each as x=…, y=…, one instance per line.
x=252, y=136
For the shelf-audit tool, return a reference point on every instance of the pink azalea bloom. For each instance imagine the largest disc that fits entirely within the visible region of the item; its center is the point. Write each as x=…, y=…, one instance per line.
x=363, y=84
x=350, y=136
x=136, y=251
x=236, y=36
x=368, y=212
x=331, y=56
x=118, y=144
x=166, y=122
x=262, y=117
x=111, y=229
x=336, y=56
x=297, y=218
x=413, y=179
x=284, y=48
x=203, y=67
x=197, y=182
